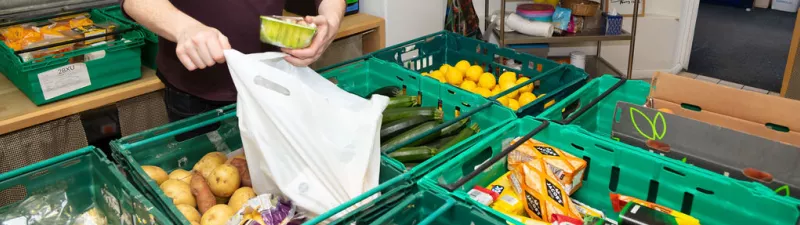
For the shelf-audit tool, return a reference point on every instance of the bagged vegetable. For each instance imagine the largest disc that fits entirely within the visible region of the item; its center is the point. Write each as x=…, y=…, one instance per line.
x=304, y=137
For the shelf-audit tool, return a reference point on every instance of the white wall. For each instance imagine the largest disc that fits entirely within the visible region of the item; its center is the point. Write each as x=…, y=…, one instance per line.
x=407, y=19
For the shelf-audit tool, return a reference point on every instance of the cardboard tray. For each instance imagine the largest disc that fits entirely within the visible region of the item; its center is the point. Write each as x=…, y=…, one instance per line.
x=721, y=150
x=766, y=116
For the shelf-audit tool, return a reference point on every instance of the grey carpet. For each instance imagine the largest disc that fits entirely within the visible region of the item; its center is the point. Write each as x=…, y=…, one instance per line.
x=748, y=48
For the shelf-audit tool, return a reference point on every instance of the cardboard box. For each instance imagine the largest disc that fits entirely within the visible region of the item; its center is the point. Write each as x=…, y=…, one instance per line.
x=542, y=195
x=732, y=153
x=745, y=111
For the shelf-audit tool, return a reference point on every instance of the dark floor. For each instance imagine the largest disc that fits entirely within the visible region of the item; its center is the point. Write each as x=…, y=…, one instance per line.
x=748, y=48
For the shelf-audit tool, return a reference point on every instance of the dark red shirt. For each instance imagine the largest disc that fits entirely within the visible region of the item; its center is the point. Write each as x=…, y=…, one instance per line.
x=236, y=19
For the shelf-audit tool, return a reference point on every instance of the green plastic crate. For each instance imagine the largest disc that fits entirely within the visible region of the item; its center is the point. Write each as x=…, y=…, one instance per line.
x=430, y=52
x=426, y=207
x=615, y=167
x=158, y=147
x=597, y=120
x=403, y=202
x=90, y=181
x=150, y=48
x=365, y=75
x=121, y=63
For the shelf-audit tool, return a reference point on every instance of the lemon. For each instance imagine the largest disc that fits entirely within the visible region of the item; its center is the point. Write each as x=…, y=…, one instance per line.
x=483, y=92
x=438, y=75
x=525, y=98
x=425, y=74
x=487, y=81
x=503, y=101
x=508, y=85
x=550, y=103
x=496, y=90
x=474, y=72
x=454, y=77
x=527, y=88
x=468, y=85
x=444, y=68
x=508, y=76
x=513, y=104
x=462, y=65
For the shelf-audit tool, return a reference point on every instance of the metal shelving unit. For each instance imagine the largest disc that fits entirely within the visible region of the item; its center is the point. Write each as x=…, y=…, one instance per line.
x=506, y=38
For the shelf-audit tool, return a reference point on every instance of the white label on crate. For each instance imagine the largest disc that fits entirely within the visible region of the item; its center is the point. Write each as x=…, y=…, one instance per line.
x=65, y=79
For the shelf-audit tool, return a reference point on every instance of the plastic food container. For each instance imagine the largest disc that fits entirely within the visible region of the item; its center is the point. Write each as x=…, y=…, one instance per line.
x=286, y=32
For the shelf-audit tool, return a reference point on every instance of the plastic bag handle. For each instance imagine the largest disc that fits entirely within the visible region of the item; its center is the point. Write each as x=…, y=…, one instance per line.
x=439, y=127
x=591, y=104
x=359, y=198
x=452, y=187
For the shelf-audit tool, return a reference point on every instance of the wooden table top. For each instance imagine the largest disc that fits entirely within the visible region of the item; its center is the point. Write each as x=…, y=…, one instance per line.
x=18, y=112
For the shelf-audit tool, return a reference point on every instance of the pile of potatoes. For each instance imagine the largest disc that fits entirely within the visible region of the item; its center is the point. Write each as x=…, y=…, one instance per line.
x=212, y=192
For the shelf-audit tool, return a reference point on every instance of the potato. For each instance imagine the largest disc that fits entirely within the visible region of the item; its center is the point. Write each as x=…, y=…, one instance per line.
x=217, y=215
x=189, y=212
x=209, y=162
x=194, y=223
x=244, y=172
x=237, y=156
x=201, y=191
x=181, y=175
x=156, y=173
x=240, y=197
x=222, y=200
x=179, y=192
x=224, y=180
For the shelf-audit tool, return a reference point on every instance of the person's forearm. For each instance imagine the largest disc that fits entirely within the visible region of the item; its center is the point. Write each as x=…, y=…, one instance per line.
x=333, y=10
x=159, y=16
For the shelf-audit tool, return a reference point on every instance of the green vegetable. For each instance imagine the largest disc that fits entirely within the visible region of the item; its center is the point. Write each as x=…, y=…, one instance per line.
x=389, y=91
x=394, y=128
x=395, y=114
x=448, y=130
x=454, y=128
x=403, y=101
x=414, y=154
x=462, y=135
x=411, y=134
x=439, y=143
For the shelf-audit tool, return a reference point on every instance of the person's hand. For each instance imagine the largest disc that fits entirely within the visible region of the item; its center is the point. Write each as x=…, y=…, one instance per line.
x=200, y=46
x=326, y=31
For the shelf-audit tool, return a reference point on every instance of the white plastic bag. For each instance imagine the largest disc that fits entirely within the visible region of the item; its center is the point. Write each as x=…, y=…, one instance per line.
x=304, y=137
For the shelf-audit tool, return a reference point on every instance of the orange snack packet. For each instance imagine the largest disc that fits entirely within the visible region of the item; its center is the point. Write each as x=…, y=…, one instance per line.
x=562, y=166
x=543, y=196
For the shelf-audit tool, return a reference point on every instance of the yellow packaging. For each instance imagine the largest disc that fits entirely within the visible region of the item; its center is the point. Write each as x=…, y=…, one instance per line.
x=528, y=221
x=508, y=201
x=543, y=195
x=562, y=166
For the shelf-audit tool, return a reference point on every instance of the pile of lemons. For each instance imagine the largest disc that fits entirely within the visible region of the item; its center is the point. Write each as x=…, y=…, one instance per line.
x=474, y=79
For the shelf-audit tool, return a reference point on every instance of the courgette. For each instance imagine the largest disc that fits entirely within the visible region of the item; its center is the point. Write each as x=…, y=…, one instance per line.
x=411, y=134
x=403, y=101
x=395, y=114
x=413, y=154
x=388, y=91
x=391, y=129
x=462, y=135
x=448, y=130
x=454, y=128
x=441, y=142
